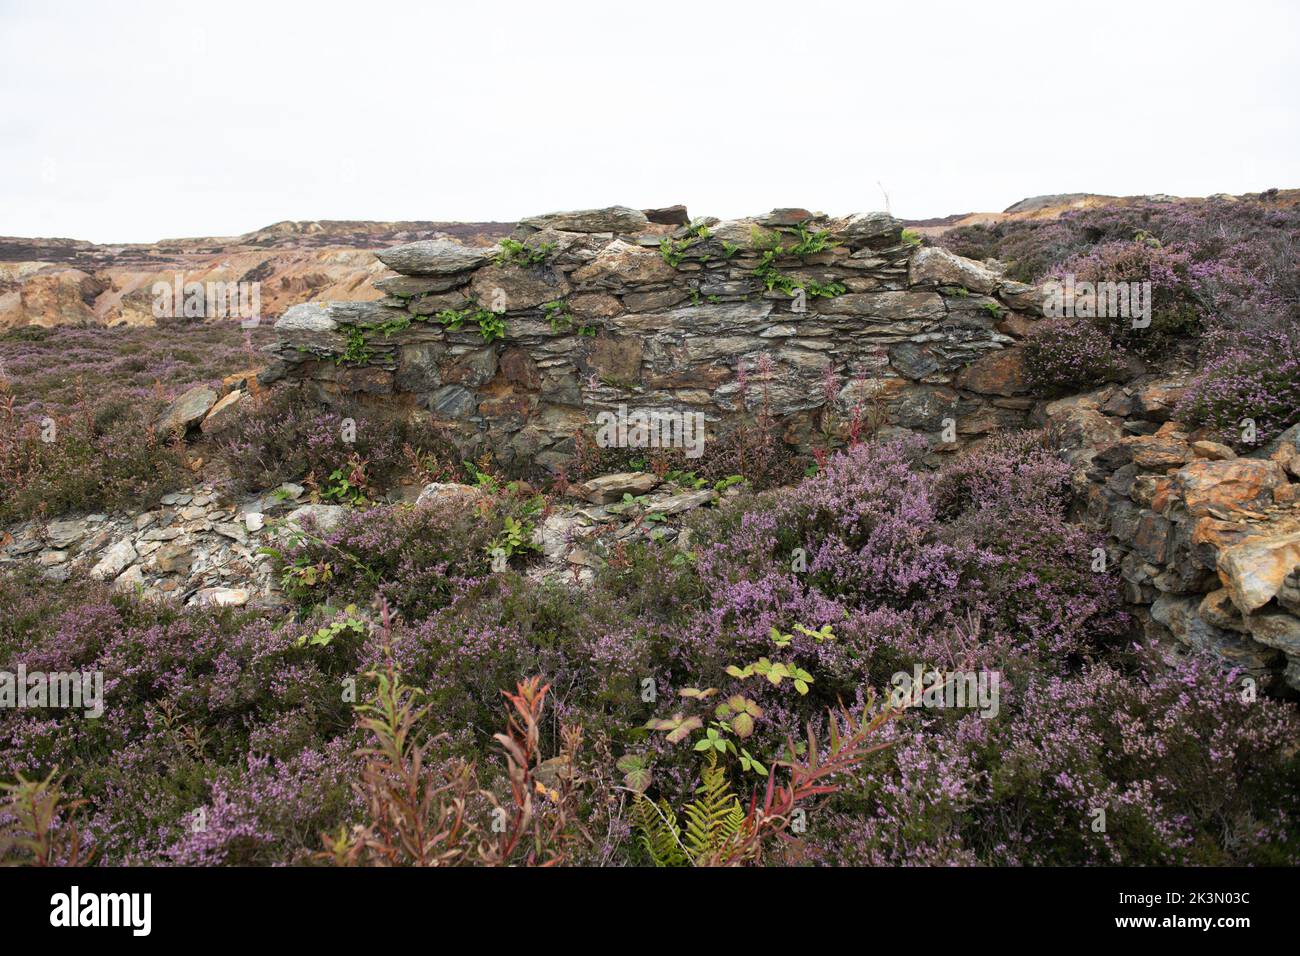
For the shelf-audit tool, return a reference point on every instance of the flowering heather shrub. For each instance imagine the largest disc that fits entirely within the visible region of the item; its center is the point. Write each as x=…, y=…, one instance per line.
x=1010, y=498
x=1176, y=308
x=53, y=369
x=1260, y=382
x=1251, y=238
x=974, y=566
x=1186, y=771
x=285, y=437
x=203, y=709
x=871, y=530
x=103, y=387
x=1232, y=265
x=1068, y=355
x=100, y=457
x=414, y=556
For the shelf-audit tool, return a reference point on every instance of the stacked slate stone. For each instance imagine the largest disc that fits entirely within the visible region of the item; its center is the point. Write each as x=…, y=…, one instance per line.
x=1207, y=543
x=814, y=316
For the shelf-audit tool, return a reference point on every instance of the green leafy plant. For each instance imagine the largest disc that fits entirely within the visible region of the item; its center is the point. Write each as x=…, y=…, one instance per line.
x=357, y=351
x=824, y=633
x=827, y=290
x=516, y=538
x=674, y=250
x=636, y=772
x=491, y=325
x=739, y=713
x=697, y=299
x=558, y=315
x=324, y=636
x=775, y=672
x=709, y=831
x=514, y=252
x=300, y=576
x=347, y=485
x=687, y=479
x=806, y=243
x=677, y=727
x=809, y=242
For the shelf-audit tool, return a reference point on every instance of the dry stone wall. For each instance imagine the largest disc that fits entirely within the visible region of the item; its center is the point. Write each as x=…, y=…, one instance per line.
x=518, y=347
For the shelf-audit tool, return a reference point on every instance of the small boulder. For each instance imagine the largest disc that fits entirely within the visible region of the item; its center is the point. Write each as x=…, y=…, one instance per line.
x=187, y=411
x=934, y=266
x=115, y=560
x=1253, y=570
x=609, y=219
x=1239, y=483
x=1213, y=451
x=431, y=257
x=173, y=557
x=129, y=580
x=63, y=534
x=1156, y=402
x=683, y=502
x=996, y=373
x=1276, y=629
x=222, y=412
x=448, y=492
x=320, y=518
x=222, y=597
x=610, y=488
x=306, y=317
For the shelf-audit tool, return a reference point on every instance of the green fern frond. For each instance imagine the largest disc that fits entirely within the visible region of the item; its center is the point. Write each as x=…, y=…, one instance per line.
x=714, y=818
x=660, y=835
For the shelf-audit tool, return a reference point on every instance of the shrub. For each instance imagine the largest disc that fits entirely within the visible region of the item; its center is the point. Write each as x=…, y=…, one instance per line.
x=284, y=437
x=97, y=457
x=1176, y=307
x=415, y=556
x=1068, y=355
x=1186, y=771
x=1260, y=382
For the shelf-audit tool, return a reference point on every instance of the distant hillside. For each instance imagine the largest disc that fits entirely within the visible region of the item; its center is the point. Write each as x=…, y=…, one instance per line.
x=69, y=281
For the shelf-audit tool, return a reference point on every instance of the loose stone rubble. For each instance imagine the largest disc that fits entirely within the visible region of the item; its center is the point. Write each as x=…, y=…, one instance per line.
x=196, y=547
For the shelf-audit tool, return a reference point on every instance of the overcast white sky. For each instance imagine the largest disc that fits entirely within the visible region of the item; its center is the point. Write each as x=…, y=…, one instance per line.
x=134, y=121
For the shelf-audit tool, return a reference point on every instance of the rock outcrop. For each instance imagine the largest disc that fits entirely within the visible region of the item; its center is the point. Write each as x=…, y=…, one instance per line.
x=1208, y=544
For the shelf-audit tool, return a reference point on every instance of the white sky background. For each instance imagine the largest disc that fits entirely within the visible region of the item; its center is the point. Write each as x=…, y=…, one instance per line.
x=134, y=121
